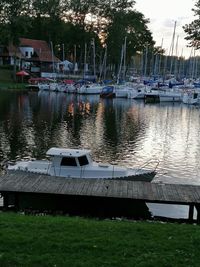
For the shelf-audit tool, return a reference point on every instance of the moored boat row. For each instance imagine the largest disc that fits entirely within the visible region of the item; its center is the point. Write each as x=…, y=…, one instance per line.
x=150, y=92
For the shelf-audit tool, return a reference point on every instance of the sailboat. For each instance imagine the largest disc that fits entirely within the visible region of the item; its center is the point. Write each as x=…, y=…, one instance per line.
x=90, y=87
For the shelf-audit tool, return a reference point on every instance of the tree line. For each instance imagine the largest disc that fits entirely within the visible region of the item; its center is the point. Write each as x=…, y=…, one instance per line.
x=71, y=24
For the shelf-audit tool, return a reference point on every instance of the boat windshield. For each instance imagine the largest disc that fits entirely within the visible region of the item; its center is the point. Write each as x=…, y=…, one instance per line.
x=68, y=161
x=83, y=160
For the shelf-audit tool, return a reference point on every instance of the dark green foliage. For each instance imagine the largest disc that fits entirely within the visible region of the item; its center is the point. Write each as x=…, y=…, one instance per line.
x=193, y=29
x=76, y=23
x=130, y=24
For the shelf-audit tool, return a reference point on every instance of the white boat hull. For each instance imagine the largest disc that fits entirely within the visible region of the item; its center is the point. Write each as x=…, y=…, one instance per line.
x=100, y=171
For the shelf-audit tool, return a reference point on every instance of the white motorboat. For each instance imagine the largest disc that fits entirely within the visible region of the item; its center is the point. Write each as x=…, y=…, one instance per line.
x=90, y=89
x=191, y=97
x=164, y=95
x=77, y=163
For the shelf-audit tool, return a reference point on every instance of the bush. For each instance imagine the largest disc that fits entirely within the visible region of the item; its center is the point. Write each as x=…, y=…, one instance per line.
x=6, y=67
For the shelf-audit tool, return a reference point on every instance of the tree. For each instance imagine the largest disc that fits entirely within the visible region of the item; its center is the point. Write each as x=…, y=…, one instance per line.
x=193, y=29
x=14, y=22
x=129, y=24
x=69, y=23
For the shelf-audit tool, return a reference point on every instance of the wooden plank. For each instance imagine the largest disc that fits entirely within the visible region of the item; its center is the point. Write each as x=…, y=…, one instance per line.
x=110, y=188
x=171, y=192
x=124, y=189
x=12, y=180
x=147, y=191
x=130, y=190
x=99, y=188
x=59, y=185
x=95, y=187
x=86, y=189
x=197, y=190
x=69, y=185
x=161, y=192
x=155, y=196
x=135, y=190
x=79, y=187
x=36, y=184
x=194, y=194
x=47, y=185
x=118, y=185
x=104, y=186
x=91, y=187
x=18, y=183
x=185, y=193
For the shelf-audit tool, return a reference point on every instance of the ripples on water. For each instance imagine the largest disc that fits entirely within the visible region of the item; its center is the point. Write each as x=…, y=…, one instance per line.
x=119, y=131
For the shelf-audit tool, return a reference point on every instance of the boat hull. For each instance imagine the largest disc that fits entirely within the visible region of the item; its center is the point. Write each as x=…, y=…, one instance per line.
x=45, y=167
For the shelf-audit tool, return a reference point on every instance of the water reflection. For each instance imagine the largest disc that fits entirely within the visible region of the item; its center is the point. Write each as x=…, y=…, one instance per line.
x=116, y=130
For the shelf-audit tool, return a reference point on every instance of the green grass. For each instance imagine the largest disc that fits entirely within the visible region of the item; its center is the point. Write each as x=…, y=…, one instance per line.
x=12, y=85
x=74, y=241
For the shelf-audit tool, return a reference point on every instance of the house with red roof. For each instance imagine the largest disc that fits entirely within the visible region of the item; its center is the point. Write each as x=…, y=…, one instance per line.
x=35, y=56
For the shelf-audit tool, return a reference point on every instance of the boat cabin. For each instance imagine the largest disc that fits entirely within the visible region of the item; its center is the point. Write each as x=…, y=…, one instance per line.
x=62, y=157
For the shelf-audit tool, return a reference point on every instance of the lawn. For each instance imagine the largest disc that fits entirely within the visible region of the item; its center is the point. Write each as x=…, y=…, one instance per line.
x=74, y=241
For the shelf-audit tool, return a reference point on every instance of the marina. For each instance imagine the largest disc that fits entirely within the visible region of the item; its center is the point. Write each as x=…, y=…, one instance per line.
x=99, y=134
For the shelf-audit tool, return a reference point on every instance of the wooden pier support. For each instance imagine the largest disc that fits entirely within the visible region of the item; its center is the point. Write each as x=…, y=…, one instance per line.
x=191, y=213
x=197, y=206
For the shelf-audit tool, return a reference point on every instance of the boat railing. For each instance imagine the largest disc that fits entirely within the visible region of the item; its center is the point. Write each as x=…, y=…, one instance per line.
x=150, y=165
x=82, y=172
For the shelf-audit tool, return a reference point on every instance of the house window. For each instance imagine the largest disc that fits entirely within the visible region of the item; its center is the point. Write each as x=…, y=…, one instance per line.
x=26, y=54
x=83, y=160
x=68, y=161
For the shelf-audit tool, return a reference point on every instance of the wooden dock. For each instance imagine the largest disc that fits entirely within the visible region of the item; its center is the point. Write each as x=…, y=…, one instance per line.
x=23, y=182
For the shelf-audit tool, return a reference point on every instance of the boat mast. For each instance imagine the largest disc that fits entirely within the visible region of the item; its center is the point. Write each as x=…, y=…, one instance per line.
x=159, y=59
x=103, y=65
x=94, y=63
x=172, y=48
x=123, y=55
x=85, y=64
x=52, y=55
x=75, y=65
x=145, y=63
x=124, y=73
x=176, y=60
x=120, y=66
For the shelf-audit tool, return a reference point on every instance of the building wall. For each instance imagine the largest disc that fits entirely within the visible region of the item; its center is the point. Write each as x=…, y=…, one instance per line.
x=27, y=52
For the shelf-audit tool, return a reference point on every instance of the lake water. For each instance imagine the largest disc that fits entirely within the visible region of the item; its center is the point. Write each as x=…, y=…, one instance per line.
x=121, y=131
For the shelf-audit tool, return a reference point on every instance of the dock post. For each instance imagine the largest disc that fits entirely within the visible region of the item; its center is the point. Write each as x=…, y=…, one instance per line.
x=191, y=213
x=5, y=202
x=197, y=206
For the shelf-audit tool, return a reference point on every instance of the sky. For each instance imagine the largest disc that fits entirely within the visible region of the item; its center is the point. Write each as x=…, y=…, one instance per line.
x=163, y=14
